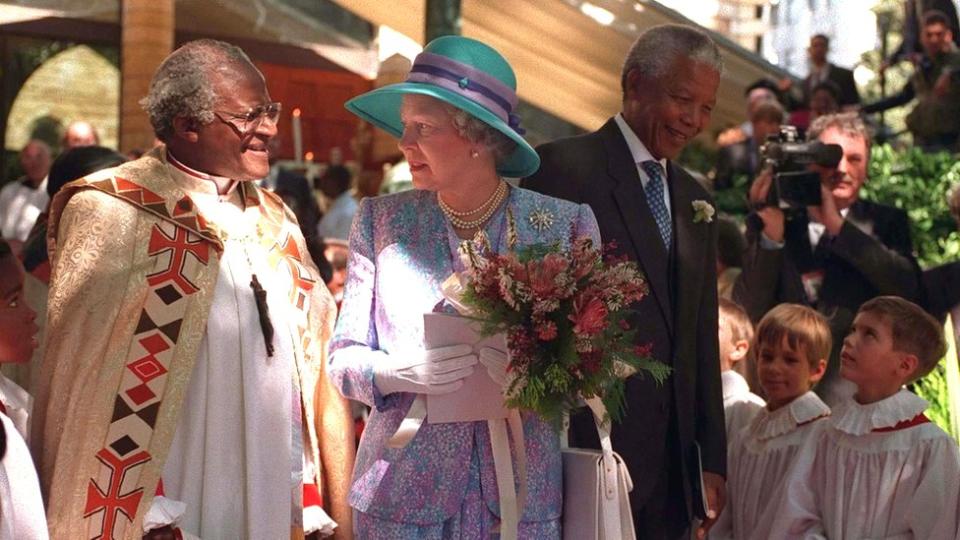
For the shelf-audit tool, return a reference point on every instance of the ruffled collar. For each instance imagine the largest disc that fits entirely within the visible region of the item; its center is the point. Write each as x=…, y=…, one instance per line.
x=802, y=410
x=857, y=419
x=733, y=384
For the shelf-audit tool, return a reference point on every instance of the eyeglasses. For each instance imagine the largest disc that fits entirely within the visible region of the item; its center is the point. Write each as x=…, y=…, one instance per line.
x=249, y=121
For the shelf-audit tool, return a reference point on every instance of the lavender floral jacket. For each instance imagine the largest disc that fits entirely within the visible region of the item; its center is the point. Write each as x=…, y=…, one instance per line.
x=401, y=251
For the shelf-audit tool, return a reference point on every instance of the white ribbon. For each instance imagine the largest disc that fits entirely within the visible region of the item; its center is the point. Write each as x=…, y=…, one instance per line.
x=616, y=519
x=411, y=423
x=511, y=502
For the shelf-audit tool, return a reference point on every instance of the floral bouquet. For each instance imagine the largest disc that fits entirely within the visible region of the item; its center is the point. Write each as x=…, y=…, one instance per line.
x=565, y=317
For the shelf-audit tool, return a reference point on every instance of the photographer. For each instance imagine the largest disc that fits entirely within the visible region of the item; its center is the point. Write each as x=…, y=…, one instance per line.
x=832, y=257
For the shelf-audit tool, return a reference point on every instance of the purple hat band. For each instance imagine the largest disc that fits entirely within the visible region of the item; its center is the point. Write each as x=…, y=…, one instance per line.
x=468, y=81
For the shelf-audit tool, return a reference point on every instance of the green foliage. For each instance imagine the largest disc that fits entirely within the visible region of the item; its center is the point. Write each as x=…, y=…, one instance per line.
x=919, y=184
x=698, y=156
x=732, y=201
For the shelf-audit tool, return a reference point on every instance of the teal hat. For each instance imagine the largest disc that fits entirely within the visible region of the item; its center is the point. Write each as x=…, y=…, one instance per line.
x=467, y=74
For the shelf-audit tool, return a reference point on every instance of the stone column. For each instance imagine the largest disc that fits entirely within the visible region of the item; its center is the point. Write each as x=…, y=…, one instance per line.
x=147, y=29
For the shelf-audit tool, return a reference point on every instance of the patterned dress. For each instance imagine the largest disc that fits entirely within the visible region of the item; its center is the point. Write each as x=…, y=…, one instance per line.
x=442, y=484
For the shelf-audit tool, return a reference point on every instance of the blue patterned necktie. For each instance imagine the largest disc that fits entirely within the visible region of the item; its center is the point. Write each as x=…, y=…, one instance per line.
x=658, y=207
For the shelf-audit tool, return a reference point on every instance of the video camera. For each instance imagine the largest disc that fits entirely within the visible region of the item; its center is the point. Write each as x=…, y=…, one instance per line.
x=794, y=185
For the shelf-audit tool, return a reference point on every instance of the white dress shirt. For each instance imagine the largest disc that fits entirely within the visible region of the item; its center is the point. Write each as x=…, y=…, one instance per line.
x=640, y=154
x=20, y=205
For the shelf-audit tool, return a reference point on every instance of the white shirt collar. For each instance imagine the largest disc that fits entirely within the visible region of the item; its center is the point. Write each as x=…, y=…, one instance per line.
x=197, y=181
x=802, y=410
x=815, y=229
x=857, y=419
x=637, y=149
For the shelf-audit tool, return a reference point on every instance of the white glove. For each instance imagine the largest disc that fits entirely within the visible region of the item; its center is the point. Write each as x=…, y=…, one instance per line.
x=433, y=371
x=496, y=362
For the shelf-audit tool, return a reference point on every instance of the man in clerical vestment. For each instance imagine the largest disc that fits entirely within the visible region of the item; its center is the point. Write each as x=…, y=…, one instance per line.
x=183, y=391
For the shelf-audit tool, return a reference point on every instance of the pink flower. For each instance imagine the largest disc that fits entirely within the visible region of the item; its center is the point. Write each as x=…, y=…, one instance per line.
x=643, y=350
x=547, y=331
x=543, y=274
x=589, y=316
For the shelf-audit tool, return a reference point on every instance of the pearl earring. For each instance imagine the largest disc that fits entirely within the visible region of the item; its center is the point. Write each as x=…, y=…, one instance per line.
x=474, y=154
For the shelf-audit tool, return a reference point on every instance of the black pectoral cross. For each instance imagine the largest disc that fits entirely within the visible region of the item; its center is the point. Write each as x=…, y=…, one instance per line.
x=263, y=313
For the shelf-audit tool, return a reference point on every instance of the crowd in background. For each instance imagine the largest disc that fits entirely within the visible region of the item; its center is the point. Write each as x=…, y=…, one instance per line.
x=806, y=291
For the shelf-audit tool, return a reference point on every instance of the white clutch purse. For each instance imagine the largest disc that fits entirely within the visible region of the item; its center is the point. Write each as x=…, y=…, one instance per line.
x=596, y=484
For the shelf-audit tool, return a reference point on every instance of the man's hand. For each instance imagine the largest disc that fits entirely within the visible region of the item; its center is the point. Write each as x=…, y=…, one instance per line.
x=827, y=213
x=942, y=86
x=163, y=533
x=773, y=219
x=716, y=494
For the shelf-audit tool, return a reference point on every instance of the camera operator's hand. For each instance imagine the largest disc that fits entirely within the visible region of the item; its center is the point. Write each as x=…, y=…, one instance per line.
x=827, y=213
x=942, y=86
x=772, y=216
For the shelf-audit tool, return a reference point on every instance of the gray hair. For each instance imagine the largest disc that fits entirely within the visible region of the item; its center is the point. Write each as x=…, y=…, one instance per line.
x=654, y=52
x=183, y=86
x=478, y=132
x=847, y=123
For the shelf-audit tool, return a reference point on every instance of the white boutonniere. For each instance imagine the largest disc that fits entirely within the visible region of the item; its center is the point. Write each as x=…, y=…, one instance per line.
x=703, y=211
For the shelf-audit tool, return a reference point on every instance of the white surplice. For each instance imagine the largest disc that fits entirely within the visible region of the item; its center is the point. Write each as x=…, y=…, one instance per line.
x=740, y=405
x=17, y=405
x=761, y=456
x=236, y=460
x=902, y=482
x=21, y=509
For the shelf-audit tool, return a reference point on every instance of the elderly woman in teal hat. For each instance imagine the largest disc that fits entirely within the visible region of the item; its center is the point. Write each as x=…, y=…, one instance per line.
x=454, y=117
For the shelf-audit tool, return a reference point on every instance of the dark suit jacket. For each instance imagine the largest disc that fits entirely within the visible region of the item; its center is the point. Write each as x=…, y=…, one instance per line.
x=843, y=78
x=742, y=158
x=872, y=256
x=678, y=318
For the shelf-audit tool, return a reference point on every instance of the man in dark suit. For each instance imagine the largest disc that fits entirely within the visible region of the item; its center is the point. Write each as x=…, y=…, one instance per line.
x=821, y=70
x=833, y=257
x=659, y=216
x=743, y=158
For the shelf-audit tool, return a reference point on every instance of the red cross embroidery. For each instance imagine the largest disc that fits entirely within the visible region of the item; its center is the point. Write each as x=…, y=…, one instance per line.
x=179, y=245
x=289, y=254
x=112, y=502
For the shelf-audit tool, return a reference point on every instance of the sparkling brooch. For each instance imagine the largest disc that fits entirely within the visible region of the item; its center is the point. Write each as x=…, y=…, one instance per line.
x=541, y=219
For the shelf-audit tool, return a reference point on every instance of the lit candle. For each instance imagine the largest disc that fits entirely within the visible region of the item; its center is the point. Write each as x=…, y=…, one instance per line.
x=297, y=135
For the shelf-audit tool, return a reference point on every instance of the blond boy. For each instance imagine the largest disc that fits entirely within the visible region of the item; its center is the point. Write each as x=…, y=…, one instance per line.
x=882, y=469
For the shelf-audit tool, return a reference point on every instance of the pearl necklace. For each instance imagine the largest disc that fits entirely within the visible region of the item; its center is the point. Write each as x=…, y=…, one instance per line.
x=458, y=218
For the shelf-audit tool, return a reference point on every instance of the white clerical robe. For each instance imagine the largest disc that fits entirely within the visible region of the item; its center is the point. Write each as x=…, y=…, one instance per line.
x=236, y=461
x=880, y=470
x=761, y=456
x=740, y=405
x=21, y=509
